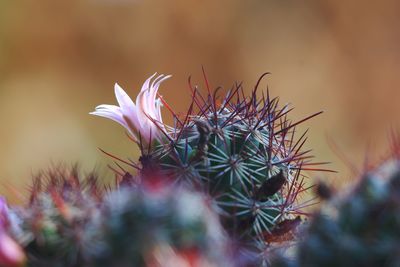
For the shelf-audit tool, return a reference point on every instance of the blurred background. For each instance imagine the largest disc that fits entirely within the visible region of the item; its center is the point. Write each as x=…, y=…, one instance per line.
x=59, y=59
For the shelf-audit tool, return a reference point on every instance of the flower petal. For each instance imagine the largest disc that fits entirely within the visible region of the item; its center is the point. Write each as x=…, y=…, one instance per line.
x=11, y=253
x=127, y=107
x=153, y=108
x=142, y=98
x=112, y=114
x=146, y=84
x=158, y=111
x=140, y=118
x=108, y=107
x=144, y=121
x=124, y=101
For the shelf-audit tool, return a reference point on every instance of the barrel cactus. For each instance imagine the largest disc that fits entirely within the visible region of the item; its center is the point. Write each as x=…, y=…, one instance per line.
x=240, y=150
x=362, y=229
x=159, y=227
x=71, y=221
x=56, y=223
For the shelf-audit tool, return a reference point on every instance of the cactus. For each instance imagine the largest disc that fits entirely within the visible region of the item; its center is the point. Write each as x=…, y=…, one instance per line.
x=153, y=227
x=363, y=229
x=240, y=150
x=71, y=221
x=56, y=223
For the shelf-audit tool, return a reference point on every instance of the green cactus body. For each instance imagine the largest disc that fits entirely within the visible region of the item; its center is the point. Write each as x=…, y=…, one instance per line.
x=56, y=225
x=143, y=223
x=234, y=162
x=71, y=222
x=241, y=152
x=361, y=229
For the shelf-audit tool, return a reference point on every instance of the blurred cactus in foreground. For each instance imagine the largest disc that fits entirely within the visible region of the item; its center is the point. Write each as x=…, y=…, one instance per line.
x=151, y=227
x=240, y=150
x=57, y=223
x=363, y=229
x=73, y=222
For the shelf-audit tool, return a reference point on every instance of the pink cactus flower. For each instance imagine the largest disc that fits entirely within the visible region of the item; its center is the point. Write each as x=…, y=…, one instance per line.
x=11, y=253
x=142, y=120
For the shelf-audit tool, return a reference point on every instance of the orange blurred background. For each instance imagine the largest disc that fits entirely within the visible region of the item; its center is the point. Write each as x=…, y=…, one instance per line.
x=59, y=59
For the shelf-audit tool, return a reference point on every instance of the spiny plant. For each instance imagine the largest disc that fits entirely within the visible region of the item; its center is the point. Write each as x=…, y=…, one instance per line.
x=362, y=229
x=160, y=226
x=56, y=222
x=240, y=150
x=71, y=221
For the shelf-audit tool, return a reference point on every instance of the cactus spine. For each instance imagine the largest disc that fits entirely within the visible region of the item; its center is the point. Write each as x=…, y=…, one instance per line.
x=362, y=229
x=73, y=222
x=242, y=151
x=160, y=227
